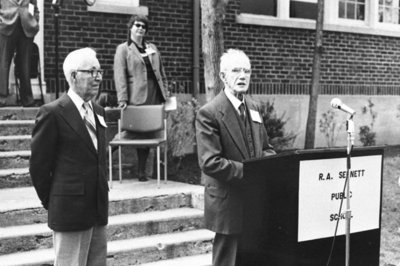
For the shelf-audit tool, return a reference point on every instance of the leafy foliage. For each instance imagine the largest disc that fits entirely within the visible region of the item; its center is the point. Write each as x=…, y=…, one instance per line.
x=182, y=165
x=329, y=126
x=366, y=133
x=275, y=127
x=181, y=128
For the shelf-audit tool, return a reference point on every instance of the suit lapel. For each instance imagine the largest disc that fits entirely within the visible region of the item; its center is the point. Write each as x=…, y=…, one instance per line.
x=99, y=128
x=135, y=52
x=72, y=117
x=231, y=123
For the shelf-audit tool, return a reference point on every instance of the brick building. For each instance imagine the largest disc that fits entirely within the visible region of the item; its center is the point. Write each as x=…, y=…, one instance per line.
x=361, y=41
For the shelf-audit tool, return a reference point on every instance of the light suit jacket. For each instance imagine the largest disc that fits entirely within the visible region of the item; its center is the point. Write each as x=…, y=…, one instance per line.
x=69, y=175
x=130, y=73
x=11, y=10
x=221, y=150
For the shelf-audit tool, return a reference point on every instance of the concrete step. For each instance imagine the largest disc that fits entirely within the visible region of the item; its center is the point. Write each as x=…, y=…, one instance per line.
x=20, y=177
x=21, y=206
x=134, y=251
x=196, y=260
x=18, y=113
x=14, y=159
x=15, y=143
x=16, y=127
x=15, y=177
x=38, y=236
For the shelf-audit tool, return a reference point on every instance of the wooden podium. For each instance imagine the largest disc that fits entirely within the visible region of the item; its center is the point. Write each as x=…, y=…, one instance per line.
x=292, y=202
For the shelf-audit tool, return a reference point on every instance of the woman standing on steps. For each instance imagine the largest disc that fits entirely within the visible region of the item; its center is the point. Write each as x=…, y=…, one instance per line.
x=139, y=78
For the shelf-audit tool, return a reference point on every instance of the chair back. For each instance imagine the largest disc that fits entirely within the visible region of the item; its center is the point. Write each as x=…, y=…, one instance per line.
x=142, y=118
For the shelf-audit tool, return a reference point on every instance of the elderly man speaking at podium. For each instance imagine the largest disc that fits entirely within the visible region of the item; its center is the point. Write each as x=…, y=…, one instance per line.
x=229, y=130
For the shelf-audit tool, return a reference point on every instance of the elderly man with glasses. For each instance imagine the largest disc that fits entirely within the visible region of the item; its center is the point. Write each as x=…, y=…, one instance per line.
x=68, y=165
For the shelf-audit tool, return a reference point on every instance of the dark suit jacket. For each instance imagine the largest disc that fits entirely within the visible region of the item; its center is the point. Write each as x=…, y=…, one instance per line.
x=222, y=149
x=130, y=73
x=11, y=10
x=69, y=175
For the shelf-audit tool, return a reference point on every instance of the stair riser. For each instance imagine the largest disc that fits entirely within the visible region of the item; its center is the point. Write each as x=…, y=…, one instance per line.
x=15, y=145
x=18, y=113
x=11, y=130
x=138, y=257
x=39, y=215
x=24, y=180
x=14, y=162
x=114, y=232
x=26, y=243
x=15, y=180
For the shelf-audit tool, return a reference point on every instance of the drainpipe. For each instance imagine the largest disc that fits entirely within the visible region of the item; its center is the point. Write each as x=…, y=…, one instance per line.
x=196, y=50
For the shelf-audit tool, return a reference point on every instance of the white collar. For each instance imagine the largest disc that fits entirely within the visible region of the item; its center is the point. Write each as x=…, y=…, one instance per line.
x=235, y=101
x=77, y=100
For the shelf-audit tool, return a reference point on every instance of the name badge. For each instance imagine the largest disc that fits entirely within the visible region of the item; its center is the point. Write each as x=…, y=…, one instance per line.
x=31, y=9
x=255, y=116
x=101, y=120
x=150, y=51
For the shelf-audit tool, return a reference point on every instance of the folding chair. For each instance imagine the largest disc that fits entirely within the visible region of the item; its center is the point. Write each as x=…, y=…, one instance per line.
x=141, y=119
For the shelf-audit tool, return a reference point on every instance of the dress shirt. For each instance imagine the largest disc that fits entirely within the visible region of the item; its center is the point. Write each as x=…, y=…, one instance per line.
x=235, y=101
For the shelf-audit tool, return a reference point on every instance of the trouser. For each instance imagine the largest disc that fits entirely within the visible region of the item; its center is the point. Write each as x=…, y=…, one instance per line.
x=143, y=154
x=225, y=249
x=81, y=248
x=22, y=45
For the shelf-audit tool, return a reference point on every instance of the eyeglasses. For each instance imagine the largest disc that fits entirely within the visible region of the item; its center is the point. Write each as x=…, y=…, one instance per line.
x=139, y=25
x=94, y=72
x=237, y=70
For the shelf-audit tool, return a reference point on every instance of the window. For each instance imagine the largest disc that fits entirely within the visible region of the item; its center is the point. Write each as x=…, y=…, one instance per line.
x=352, y=9
x=266, y=7
x=389, y=11
x=306, y=9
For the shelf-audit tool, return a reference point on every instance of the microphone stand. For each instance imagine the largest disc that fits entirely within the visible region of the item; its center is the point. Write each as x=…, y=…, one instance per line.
x=350, y=143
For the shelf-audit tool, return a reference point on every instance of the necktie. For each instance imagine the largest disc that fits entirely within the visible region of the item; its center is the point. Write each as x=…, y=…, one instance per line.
x=242, y=112
x=89, y=123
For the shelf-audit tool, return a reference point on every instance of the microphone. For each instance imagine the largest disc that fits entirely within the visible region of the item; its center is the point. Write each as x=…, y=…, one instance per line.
x=337, y=103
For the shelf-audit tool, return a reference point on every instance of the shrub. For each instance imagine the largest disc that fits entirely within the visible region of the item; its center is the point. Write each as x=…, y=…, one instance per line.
x=329, y=126
x=366, y=133
x=181, y=127
x=274, y=125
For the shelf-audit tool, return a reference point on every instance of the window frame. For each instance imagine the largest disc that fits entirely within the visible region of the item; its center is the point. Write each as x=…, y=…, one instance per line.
x=394, y=3
x=332, y=22
x=119, y=7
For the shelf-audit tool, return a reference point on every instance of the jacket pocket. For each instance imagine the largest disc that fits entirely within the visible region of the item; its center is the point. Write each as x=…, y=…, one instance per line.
x=216, y=192
x=69, y=189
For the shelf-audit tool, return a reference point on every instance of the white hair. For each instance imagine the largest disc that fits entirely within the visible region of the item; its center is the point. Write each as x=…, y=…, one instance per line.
x=229, y=56
x=75, y=59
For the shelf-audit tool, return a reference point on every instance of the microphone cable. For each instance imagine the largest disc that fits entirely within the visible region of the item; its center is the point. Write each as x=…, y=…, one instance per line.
x=337, y=222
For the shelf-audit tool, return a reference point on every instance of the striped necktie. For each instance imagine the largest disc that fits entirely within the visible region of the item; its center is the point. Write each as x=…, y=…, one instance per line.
x=90, y=124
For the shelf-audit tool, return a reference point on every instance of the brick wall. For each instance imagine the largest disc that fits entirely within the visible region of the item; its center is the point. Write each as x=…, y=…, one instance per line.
x=278, y=55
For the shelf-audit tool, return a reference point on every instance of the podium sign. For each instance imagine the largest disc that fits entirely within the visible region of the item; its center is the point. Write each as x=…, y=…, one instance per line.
x=291, y=205
x=321, y=184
